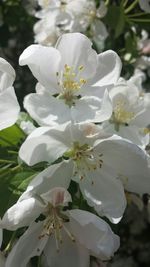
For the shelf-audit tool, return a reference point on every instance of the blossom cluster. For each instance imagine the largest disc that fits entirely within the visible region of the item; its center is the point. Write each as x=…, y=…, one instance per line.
x=93, y=130
x=58, y=17
x=82, y=142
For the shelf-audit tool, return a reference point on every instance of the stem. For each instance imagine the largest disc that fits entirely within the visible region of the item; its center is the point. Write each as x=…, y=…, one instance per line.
x=15, y=168
x=136, y=15
x=140, y=20
x=6, y=161
x=5, y=172
x=131, y=6
x=12, y=152
x=125, y=3
x=107, y=2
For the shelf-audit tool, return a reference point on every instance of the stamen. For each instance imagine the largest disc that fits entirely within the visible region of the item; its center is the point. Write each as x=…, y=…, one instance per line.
x=69, y=82
x=69, y=234
x=85, y=159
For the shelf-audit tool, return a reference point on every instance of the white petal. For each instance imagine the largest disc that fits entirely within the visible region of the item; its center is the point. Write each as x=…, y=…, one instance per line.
x=28, y=246
x=94, y=233
x=7, y=74
x=129, y=162
x=58, y=196
x=92, y=109
x=108, y=70
x=9, y=108
x=22, y=214
x=106, y=194
x=99, y=31
x=54, y=176
x=43, y=62
x=145, y=5
x=2, y=260
x=130, y=132
x=70, y=253
x=76, y=51
x=44, y=144
x=46, y=110
x=1, y=236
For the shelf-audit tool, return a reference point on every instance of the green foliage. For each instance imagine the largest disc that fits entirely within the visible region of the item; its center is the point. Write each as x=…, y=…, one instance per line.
x=12, y=185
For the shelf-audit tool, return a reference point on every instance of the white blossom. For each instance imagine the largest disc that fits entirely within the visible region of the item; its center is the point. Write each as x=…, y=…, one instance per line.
x=9, y=107
x=131, y=109
x=73, y=72
x=101, y=165
x=62, y=235
x=58, y=17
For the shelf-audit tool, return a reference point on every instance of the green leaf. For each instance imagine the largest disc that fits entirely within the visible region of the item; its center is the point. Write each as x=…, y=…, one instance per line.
x=11, y=136
x=115, y=19
x=12, y=186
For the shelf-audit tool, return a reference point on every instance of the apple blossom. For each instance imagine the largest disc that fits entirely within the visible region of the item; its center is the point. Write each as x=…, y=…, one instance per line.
x=58, y=17
x=131, y=107
x=101, y=164
x=9, y=107
x=70, y=74
x=77, y=232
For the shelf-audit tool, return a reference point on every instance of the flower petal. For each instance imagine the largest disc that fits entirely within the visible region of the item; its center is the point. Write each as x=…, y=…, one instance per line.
x=1, y=236
x=130, y=163
x=46, y=110
x=57, y=175
x=76, y=51
x=44, y=144
x=92, y=109
x=9, y=108
x=22, y=214
x=70, y=253
x=2, y=260
x=105, y=193
x=7, y=74
x=43, y=62
x=28, y=246
x=108, y=70
x=94, y=233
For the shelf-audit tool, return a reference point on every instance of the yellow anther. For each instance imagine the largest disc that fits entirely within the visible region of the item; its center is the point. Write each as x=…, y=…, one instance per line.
x=67, y=68
x=81, y=67
x=146, y=130
x=82, y=81
x=92, y=13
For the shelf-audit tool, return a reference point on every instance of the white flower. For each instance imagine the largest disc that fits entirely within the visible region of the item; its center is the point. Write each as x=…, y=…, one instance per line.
x=72, y=71
x=87, y=16
x=9, y=107
x=145, y=5
x=99, y=164
x=45, y=29
x=69, y=16
x=131, y=110
x=68, y=238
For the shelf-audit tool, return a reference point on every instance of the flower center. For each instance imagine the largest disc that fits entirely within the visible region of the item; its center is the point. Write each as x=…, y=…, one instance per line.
x=70, y=83
x=53, y=224
x=121, y=115
x=85, y=159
